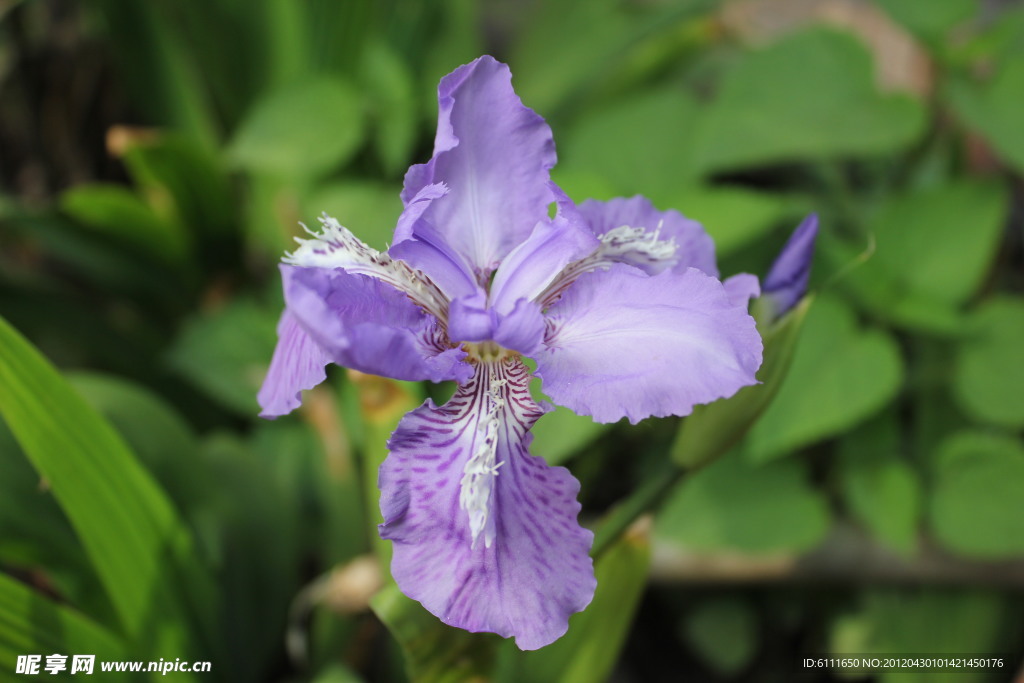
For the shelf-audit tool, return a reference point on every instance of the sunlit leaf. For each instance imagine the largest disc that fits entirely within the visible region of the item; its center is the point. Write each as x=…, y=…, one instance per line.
x=303, y=128
x=142, y=552
x=809, y=96
x=31, y=623
x=841, y=374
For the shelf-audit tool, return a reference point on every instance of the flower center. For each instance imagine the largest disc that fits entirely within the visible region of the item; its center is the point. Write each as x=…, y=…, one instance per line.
x=487, y=352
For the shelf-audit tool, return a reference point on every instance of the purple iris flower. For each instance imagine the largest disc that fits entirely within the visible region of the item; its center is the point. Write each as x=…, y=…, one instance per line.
x=617, y=303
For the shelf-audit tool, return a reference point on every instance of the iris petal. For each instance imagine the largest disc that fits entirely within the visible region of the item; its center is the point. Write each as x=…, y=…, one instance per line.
x=505, y=555
x=494, y=155
x=624, y=344
x=298, y=364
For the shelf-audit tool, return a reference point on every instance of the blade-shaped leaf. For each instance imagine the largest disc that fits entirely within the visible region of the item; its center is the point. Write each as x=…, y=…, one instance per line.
x=142, y=551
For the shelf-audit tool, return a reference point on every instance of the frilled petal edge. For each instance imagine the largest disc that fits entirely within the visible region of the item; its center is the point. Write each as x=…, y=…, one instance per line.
x=485, y=535
x=365, y=324
x=624, y=344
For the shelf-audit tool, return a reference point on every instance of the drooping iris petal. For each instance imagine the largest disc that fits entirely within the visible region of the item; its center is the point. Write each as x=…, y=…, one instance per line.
x=534, y=264
x=298, y=364
x=485, y=535
x=494, y=155
x=786, y=281
x=365, y=324
x=625, y=344
x=741, y=288
x=695, y=248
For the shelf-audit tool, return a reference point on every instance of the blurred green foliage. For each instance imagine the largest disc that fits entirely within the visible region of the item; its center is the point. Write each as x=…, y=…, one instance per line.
x=158, y=157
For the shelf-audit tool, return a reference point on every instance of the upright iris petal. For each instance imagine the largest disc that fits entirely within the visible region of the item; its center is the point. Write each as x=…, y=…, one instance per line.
x=618, y=303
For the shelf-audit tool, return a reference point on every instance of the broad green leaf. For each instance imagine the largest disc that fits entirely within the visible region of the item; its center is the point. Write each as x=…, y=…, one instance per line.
x=809, y=96
x=434, y=652
x=841, y=374
x=114, y=211
x=640, y=144
x=939, y=622
x=735, y=505
x=975, y=505
x=142, y=551
x=336, y=673
x=302, y=129
x=589, y=651
x=989, y=378
x=712, y=429
x=924, y=237
x=369, y=210
x=570, y=48
x=881, y=489
x=724, y=633
x=734, y=216
x=31, y=623
x=993, y=108
x=226, y=353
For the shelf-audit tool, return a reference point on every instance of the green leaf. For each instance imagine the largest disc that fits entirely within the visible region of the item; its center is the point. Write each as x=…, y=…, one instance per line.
x=925, y=236
x=735, y=505
x=931, y=21
x=724, y=634
x=809, y=96
x=881, y=489
x=712, y=429
x=115, y=211
x=975, y=506
x=562, y=433
x=33, y=624
x=589, y=651
x=370, y=210
x=142, y=551
x=840, y=375
x=395, y=107
x=434, y=652
x=641, y=144
x=734, y=216
x=993, y=108
x=226, y=353
x=301, y=129
x=156, y=433
x=894, y=621
x=989, y=375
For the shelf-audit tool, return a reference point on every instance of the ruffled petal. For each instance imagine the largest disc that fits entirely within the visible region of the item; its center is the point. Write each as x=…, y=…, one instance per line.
x=741, y=288
x=786, y=281
x=365, y=324
x=694, y=247
x=485, y=535
x=298, y=364
x=624, y=344
x=494, y=155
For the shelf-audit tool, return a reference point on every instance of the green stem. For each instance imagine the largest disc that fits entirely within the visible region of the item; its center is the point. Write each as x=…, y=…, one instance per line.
x=645, y=498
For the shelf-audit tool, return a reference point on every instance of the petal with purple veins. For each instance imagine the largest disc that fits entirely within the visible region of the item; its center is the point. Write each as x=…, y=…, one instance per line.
x=298, y=364
x=485, y=535
x=365, y=324
x=494, y=155
x=621, y=343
